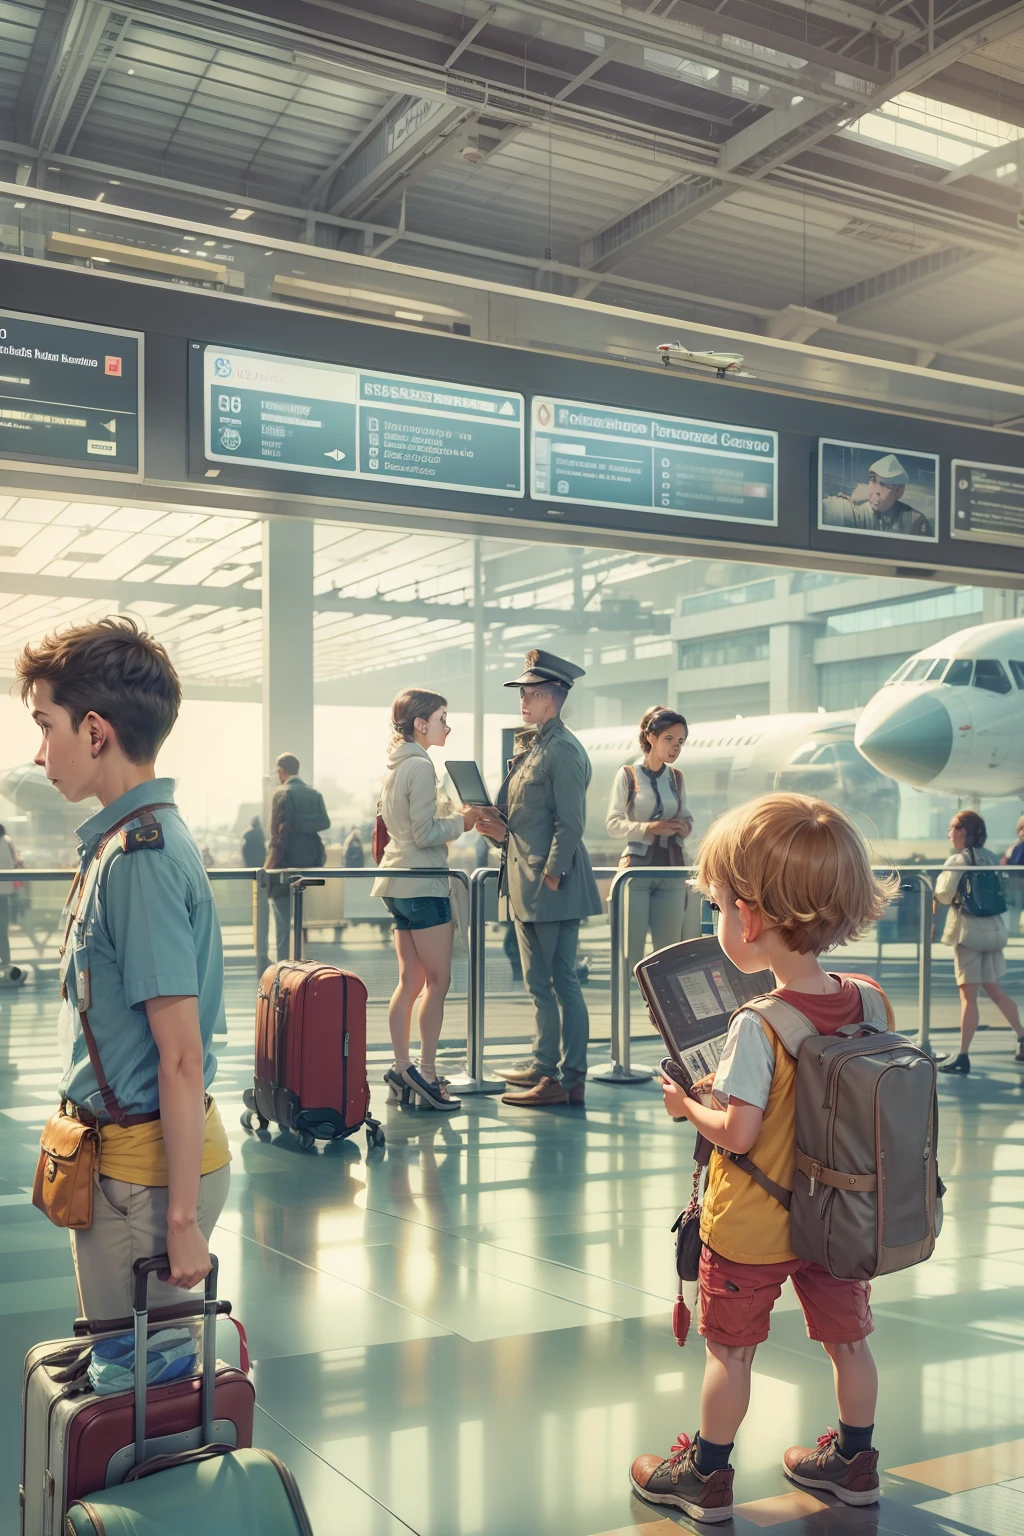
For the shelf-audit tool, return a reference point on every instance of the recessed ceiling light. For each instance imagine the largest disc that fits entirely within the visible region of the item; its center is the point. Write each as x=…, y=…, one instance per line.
x=188, y=237
x=211, y=474
x=131, y=71
x=407, y=314
x=19, y=205
x=114, y=181
x=209, y=242
x=104, y=259
x=242, y=213
x=100, y=196
x=266, y=253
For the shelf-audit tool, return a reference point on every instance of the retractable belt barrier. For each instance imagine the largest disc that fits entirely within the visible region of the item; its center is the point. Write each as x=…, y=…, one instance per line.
x=618, y=1069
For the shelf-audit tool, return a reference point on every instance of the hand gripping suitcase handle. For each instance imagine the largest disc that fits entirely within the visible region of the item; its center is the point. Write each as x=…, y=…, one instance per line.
x=141, y=1270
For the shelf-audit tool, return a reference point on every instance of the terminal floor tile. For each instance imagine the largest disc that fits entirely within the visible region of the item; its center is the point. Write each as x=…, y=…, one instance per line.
x=468, y=1334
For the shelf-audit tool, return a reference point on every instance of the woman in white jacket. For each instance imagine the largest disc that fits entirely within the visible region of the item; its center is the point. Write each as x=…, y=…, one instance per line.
x=647, y=810
x=419, y=829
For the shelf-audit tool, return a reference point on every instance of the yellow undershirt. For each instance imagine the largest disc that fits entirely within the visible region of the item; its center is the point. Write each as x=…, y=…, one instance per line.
x=136, y=1153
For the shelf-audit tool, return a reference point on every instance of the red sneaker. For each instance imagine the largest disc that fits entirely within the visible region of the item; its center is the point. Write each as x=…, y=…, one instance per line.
x=677, y=1482
x=823, y=1469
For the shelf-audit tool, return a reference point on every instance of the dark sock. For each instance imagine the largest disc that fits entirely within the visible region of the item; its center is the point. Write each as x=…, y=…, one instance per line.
x=711, y=1457
x=854, y=1439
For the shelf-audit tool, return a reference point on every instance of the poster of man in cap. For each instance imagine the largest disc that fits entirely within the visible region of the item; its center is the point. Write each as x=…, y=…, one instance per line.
x=883, y=491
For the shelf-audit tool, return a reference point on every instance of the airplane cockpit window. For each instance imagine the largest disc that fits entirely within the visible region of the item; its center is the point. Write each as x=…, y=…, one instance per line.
x=938, y=669
x=898, y=674
x=918, y=670
x=959, y=674
x=805, y=753
x=1017, y=668
x=991, y=675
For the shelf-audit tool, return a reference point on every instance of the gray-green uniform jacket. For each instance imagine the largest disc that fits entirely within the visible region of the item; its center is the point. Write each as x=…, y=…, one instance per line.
x=546, y=807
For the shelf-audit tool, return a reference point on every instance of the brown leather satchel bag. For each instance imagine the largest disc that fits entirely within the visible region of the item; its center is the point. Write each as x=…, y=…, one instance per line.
x=69, y=1154
x=69, y=1148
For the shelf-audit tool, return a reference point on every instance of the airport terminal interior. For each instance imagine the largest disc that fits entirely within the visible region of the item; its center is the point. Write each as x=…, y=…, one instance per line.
x=353, y=348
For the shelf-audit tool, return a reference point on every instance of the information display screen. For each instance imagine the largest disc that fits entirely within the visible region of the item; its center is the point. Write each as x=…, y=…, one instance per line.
x=328, y=419
x=988, y=502
x=70, y=395
x=606, y=457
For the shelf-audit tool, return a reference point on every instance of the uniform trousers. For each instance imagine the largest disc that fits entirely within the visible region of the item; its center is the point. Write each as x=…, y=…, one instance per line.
x=548, y=955
x=5, y=938
x=658, y=906
x=129, y=1222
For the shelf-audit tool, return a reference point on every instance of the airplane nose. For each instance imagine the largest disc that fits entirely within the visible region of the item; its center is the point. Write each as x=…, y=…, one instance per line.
x=911, y=741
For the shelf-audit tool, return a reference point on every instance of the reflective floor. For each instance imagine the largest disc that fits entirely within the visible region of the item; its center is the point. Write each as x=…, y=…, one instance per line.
x=470, y=1333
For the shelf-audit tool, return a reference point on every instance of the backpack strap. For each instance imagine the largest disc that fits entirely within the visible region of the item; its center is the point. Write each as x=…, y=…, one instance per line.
x=786, y=1022
x=777, y=1191
x=878, y=1012
x=632, y=786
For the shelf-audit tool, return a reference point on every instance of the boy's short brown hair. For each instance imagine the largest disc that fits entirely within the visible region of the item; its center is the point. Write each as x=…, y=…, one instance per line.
x=111, y=668
x=801, y=863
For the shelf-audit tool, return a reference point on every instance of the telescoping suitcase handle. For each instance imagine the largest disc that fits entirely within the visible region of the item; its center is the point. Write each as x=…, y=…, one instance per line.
x=142, y=1269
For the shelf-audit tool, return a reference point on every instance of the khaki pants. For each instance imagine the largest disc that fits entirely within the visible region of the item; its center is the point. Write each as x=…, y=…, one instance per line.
x=129, y=1222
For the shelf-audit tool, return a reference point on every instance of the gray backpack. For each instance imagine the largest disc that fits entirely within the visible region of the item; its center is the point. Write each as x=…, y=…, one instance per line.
x=867, y=1197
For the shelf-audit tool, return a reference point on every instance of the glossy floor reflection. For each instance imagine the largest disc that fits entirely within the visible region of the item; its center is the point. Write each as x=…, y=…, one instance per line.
x=468, y=1335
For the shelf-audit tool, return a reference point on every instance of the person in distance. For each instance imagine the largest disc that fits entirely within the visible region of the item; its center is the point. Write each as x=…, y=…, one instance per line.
x=647, y=810
x=420, y=825
x=791, y=877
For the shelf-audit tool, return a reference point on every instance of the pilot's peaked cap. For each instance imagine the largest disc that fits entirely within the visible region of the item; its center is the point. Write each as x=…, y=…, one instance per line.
x=544, y=667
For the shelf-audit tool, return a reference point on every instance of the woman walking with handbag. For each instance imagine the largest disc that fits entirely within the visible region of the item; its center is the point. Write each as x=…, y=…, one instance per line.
x=415, y=824
x=976, y=930
x=647, y=809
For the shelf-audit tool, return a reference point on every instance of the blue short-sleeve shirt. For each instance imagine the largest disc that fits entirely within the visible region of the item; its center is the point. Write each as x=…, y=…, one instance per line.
x=148, y=929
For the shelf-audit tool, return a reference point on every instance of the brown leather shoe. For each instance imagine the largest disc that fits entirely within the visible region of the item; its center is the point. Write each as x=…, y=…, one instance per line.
x=526, y=1077
x=823, y=1469
x=543, y=1095
x=576, y=1095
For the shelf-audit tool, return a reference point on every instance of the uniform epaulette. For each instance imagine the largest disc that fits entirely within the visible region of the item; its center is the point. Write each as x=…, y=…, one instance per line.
x=149, y=834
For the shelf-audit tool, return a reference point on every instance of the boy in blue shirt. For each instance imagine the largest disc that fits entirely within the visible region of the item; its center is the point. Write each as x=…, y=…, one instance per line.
x=142, y=968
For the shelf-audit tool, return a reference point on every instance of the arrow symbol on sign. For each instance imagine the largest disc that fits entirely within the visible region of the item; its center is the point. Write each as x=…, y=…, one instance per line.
x=335, y=454
x=110, y=425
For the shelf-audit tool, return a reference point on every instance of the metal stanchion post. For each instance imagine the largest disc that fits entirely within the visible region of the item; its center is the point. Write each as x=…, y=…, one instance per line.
x=618, y=1069
x=475, y=1080
x=297, y=888
x=924, y=969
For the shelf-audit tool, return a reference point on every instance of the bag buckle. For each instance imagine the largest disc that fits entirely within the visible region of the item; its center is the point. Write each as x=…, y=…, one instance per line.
x=812, y=1186
x=51, y=1169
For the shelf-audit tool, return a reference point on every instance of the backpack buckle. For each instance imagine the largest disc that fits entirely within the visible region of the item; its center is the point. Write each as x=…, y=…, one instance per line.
x=812, y=1186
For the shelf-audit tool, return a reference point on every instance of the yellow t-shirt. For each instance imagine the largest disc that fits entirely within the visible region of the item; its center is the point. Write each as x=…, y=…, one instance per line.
x=136, y=1153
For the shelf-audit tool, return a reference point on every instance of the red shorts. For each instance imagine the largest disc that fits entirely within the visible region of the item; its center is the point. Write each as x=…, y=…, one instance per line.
x=736, y=1301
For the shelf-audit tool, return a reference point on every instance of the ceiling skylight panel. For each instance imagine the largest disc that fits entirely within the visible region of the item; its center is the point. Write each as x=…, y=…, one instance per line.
x=45, y=545
x=78, y=515
x=935, y=131
x=32, y=509
x=122, y=560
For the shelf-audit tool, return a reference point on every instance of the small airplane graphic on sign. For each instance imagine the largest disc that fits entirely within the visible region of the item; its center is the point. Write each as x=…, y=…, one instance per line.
x=723, y=363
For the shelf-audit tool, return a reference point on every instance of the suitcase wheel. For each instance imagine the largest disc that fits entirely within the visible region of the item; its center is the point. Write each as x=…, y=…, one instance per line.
x=252, y=1120
x=249, y=1099
x=305, y=1139
x=374, y=1135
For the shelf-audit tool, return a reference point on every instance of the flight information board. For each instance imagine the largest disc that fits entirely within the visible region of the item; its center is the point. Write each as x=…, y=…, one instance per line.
x=70, y=396
x=357, y=423
x=607, y=457
x=987, y=502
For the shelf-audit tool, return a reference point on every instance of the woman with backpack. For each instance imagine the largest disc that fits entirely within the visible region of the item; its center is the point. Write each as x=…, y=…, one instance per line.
x=419, y=823
x=975, y=928
x=647, y=810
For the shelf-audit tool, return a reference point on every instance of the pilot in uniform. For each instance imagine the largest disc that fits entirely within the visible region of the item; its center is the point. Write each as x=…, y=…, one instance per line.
x=544, y=798
x=884, y=511
x=140, y=923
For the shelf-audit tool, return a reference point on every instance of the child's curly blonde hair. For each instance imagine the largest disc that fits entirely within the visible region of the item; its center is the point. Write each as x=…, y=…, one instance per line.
x=800, y=863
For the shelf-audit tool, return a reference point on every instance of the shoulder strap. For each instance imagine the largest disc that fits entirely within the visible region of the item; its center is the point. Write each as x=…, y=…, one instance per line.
x=632, y=786
x=110, y=1102
x=785, y=1021
x=877, y=1008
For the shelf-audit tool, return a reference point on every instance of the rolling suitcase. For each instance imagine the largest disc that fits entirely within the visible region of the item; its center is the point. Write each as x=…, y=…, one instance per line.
x=77, y=1441
x=311, y=1054
x=209, y=1489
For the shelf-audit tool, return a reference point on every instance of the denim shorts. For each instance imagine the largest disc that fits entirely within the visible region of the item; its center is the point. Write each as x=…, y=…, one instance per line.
x=410, y=912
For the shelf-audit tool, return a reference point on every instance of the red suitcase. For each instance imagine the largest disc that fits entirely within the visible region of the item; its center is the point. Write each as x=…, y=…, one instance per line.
x=311, y=1054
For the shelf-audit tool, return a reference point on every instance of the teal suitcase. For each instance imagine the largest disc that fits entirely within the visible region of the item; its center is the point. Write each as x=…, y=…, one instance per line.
x=219, y=1495
x=212, y=1490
